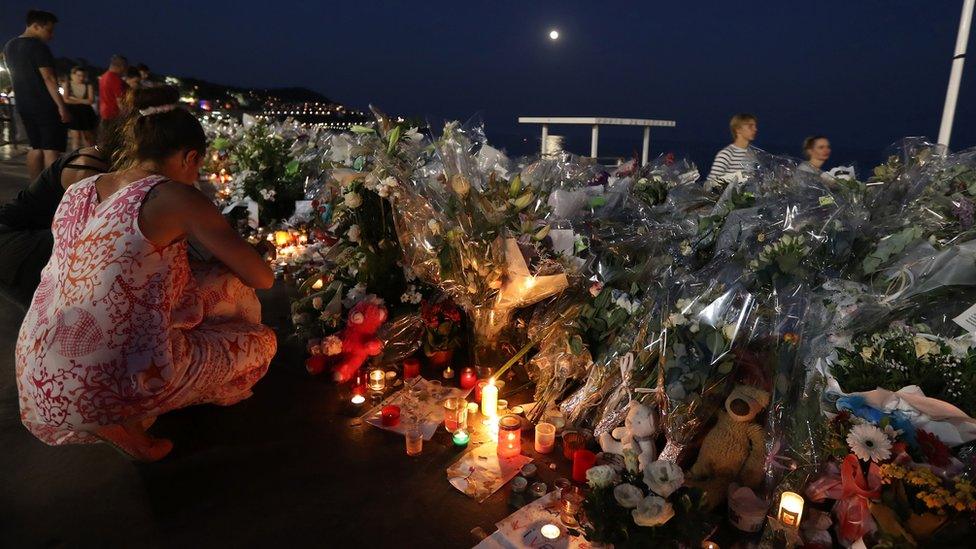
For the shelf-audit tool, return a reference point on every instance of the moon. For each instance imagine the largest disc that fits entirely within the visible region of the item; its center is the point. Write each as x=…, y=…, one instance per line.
x=553, y=34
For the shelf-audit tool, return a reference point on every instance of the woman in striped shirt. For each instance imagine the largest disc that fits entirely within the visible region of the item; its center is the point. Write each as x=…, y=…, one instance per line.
x=738, y=157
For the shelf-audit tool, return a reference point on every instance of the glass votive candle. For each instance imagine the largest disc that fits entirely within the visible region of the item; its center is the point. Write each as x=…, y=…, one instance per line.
x=503, y=407
x=528, y=470
x=538, y=489
x=472, y=408
x=569, y=505
x=411, y=368
x=455, y=414
x=376, y=378
x=468, y=378
x=415, y=440
x=509, y=436
x=461, y=437
x=545, y=437
x=560, y=485
x=550, y=531
x=572, y=441
x=390, y=415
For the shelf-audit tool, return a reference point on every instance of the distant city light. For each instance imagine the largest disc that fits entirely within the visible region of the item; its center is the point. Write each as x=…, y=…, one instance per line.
x=553, y=34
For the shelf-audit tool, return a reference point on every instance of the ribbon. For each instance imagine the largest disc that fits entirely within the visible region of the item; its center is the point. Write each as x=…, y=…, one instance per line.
x=774, y=459
x=853, y=492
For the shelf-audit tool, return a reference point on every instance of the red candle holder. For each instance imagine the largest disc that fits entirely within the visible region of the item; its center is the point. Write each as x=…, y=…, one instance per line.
x=411, y=368
x=390, y=415
x=583, y=460
x=468, y=379
x=510, y=437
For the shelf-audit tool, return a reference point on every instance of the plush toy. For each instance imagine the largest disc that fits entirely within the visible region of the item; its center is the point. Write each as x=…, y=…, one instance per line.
x=638, y=432
x=359, y=340
x=733, y=450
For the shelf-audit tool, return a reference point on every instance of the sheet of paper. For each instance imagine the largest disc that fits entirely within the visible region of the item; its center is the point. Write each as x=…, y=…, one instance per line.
x=420, y=399
x=522, y=529
x=967, y=319
x=479, y=473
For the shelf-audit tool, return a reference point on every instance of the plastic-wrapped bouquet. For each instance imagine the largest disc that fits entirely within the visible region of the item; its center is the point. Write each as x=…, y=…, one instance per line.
x=628, y=508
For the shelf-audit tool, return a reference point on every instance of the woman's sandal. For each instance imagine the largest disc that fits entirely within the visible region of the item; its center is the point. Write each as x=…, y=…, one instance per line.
x=136, y=446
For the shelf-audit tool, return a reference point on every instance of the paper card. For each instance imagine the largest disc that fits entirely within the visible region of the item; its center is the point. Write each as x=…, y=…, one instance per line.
x=479, y=473
x=522, y=529
x=303, y=209
x=967, y=319
x=417, y=398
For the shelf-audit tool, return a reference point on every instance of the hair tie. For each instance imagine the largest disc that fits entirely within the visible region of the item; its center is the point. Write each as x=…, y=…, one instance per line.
x=157, y=110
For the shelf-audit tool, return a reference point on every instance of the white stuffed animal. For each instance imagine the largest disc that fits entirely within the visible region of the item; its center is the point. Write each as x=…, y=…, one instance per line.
x=638, y=433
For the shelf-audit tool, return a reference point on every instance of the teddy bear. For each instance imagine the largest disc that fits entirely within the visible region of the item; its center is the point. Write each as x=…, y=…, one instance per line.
x=359, y=341
x=734, y=449
x=638, y=432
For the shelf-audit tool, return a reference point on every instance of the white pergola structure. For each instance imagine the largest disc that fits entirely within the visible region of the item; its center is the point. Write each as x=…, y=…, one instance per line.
x=596, y=122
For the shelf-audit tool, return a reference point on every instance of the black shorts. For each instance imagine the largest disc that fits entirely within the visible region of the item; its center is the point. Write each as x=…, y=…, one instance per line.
x=45, y=132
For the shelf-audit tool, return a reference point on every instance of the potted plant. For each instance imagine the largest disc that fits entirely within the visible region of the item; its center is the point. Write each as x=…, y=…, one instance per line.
x=442, y=328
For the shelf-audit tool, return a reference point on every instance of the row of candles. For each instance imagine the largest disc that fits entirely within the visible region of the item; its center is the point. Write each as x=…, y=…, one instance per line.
x=509, y=437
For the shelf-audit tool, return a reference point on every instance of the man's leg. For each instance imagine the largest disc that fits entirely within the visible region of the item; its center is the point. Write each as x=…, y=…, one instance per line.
x=35, y=163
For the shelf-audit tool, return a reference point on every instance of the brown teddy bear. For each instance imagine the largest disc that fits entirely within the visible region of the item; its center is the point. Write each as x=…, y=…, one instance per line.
x=733, y=450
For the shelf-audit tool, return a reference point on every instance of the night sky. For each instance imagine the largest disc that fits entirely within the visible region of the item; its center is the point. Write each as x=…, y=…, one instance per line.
x=863, y=72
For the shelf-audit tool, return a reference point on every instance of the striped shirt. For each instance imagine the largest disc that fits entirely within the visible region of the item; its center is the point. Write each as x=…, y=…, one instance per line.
x=728, y=161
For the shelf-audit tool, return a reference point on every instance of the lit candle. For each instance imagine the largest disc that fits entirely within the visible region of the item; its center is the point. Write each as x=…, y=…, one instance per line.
x=583, y=460
x=358, y=391
x=448, y=373
x=550, y=531
x=489, y=399
x=708, y=544
x=509, y=436
x=468, y=378
x=545, y=437
x=390, y=415
x=377, y=379
x=461, y=437
x=791, y=509
x=411, y=368
x=282, y=237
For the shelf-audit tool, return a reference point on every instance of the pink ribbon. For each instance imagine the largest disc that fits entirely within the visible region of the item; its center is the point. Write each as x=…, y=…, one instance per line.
x=853, y=492
x=774, y=460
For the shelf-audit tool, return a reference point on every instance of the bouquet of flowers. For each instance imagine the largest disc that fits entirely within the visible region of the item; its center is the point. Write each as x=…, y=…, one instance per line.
x=654, y=509
x=267, y=172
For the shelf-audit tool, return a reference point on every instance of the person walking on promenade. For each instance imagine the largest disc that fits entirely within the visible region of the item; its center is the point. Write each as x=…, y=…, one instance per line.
x=737, y=158
x=39, y=103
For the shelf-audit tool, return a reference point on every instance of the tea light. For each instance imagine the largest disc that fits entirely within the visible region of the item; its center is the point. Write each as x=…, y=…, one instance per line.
x=528, y=470
x=545, y=437
x=448, y=373
x=391, y=375
x=358, y=391
x=468, y=378
x=489, y=399
x=583, y=460
x=519, y=484
x=791, y=509
x=282, y=237
x=377, y=380
x=472, y=408
x=550, y=531
x=502, y=406
x=708, y=544
x=510, y=437
x=411, y=368
x=538, y=489
x=358, y=399
x=390, y=415
x=461, y=437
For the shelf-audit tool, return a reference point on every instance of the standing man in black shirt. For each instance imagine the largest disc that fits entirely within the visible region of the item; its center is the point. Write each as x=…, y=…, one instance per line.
x=38, y=100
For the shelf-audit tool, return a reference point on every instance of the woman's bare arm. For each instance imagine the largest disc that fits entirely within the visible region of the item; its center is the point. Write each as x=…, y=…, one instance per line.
x=173, y=210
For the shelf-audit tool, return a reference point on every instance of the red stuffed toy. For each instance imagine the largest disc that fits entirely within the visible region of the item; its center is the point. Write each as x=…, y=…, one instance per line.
x=359, y=340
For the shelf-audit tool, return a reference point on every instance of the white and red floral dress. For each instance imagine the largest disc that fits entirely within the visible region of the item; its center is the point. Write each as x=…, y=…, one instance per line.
x=120, y=329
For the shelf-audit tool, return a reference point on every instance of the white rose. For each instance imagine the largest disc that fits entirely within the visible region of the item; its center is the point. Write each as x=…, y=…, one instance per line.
x=601, y=476
x=652, y=511
x=628, y=495
x=353, y=200
x=317, y=303
x=353, y=234
x=663, y=477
